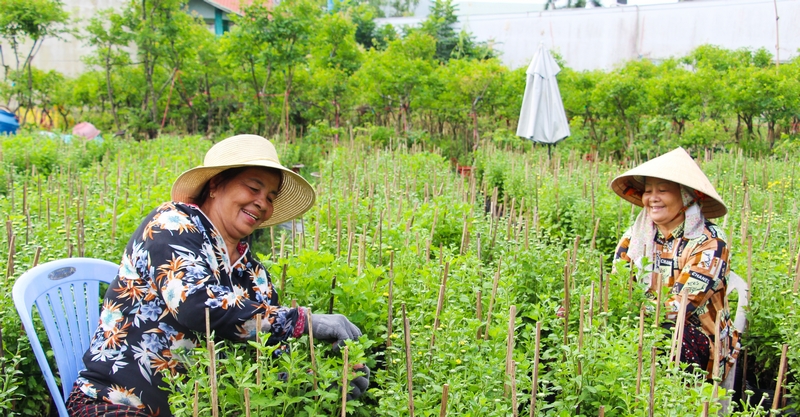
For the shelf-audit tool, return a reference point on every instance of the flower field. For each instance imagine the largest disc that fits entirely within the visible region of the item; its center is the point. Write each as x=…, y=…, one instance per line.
x=455, y=280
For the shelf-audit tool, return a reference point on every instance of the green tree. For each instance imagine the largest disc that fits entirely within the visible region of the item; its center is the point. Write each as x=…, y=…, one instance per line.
x=335, y=57
x=29, y=20
x=106, y=35
x=391, y=79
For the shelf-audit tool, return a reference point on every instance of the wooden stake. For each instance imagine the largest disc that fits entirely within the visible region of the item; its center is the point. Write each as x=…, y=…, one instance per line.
x=445, y=392
x=345, y=370
x=566, y=303
x=491, y=300
x=704, y=413
x=407, y=336
x=652, y=405
x=11, y=252
x=512, y=316
x=715, y=357
x=311, y=347
x=195, y=403
x=212, y=367
x=479, y=311
x=247, y=402
x=36, y=256
x=640, y=352
x=439, y=304
x=594, y=232
x=679, y=326
x=390, y=301
x=513, y=376
x=283, y=279
x=535, y=380
x=781, y=374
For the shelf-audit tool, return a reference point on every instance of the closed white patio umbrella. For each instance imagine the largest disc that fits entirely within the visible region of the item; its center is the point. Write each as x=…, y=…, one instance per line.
x=542, y=118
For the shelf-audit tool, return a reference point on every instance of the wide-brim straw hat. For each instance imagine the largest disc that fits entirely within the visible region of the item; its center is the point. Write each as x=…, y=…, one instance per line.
x=294, y=198
x=677, y=166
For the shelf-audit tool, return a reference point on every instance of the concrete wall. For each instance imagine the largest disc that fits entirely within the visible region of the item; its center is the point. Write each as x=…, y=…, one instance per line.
x=602, y=38
x=65, y=56
x=599, y=38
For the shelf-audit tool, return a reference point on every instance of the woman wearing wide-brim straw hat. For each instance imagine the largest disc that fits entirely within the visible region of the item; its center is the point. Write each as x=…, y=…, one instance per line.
x=683, y=249
x=190, y=255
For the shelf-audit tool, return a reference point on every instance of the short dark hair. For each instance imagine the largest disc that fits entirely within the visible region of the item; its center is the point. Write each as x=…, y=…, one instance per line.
x=224, y=177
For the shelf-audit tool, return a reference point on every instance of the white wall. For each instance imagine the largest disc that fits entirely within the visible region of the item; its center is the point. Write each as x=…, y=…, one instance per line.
x=602, y=38
x=65, y=56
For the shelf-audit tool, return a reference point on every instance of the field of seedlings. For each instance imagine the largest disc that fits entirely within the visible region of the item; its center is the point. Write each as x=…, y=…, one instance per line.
x=484, y=292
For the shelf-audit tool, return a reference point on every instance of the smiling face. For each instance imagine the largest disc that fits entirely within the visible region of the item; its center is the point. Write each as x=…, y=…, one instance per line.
x=241, y=203
x=663, y=202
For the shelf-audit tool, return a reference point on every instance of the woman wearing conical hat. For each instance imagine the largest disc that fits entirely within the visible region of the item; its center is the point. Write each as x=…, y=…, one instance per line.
x=684, y=250
x=189, y=262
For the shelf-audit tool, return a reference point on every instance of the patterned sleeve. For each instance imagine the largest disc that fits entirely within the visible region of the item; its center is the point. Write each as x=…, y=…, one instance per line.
x=702, y=275
x=185, y=267
x=622, y=247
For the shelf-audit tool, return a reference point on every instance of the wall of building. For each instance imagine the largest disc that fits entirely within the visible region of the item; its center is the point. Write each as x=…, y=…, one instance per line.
x=65, y=56
x=602, y=38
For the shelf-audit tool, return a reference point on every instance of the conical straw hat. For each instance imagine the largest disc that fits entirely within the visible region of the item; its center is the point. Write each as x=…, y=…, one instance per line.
x=294, y=198
x=677, y=166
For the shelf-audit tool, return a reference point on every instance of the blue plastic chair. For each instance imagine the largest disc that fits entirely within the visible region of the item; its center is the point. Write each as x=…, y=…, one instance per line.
x=67, y=295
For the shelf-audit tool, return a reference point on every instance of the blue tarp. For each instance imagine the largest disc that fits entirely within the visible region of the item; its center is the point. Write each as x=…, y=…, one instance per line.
x=8, y=123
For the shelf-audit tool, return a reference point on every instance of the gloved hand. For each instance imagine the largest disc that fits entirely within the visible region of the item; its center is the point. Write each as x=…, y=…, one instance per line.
x=334, y=328
x=358, y=385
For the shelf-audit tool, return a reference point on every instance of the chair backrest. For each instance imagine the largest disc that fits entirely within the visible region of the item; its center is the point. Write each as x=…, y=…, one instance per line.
x=67, y=295
x=735, y=282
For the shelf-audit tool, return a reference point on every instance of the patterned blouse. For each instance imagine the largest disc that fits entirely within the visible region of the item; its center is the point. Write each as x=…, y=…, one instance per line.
x=175, y=266
x=701, y=266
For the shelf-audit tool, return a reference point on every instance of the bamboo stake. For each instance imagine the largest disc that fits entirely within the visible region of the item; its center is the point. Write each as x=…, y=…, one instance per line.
x=651, y=406
x=407, y=336
x=11, y=252
x=445, y=392
x=36, y=256
x=212, y=367
x=491, y=300
x=580, y=332
x=439, y=304
x=715, y=357
x=594, y=233
x=345, y=368
x=566, y=303
x=591, y=306
x=311, y=347
x=513, y=375
x=390, y=301
x=350, y=237
x=659, y=295
x=512, y=315
x=781, y=375
x=283, y=278
x=479, y=311
x=640, y=352
x=195, y=403
x=258, y=352
x=705, y=409
x=679, y=326
x=535, y=379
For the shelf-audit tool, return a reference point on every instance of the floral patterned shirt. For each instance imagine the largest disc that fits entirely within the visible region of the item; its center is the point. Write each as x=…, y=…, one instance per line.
x=175, y=266
x=701, y=266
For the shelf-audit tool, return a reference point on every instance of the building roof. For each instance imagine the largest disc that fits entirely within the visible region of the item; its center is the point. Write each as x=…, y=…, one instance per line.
x=230, y=6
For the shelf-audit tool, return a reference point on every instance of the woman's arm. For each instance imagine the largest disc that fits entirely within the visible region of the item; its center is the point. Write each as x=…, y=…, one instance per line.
x=185, y=264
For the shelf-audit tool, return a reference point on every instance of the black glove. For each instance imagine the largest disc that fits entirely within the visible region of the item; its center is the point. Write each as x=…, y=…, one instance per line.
x=358, y=386
x=334, y=328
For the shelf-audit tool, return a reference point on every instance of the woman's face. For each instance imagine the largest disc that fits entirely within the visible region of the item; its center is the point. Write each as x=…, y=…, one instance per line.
x=663, y=202
x=242, y=203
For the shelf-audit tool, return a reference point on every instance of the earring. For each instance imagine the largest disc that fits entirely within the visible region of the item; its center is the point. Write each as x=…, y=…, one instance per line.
x=211, y=194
